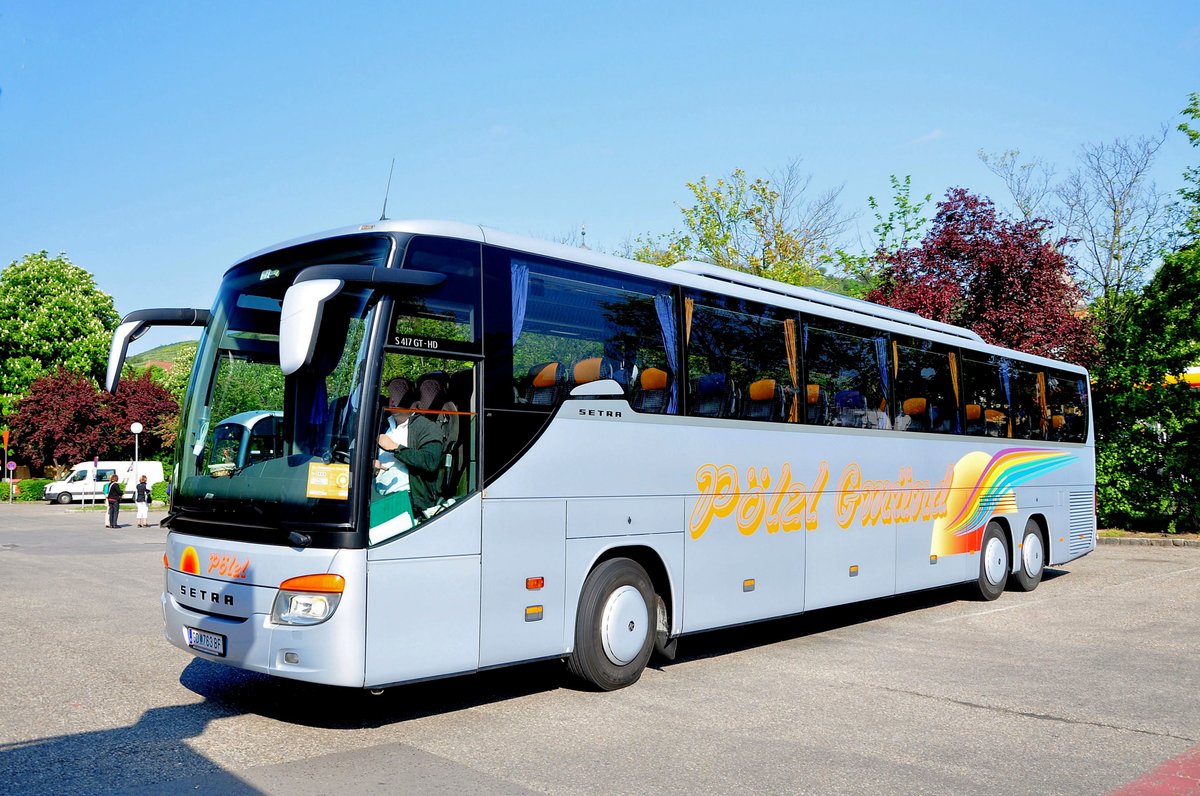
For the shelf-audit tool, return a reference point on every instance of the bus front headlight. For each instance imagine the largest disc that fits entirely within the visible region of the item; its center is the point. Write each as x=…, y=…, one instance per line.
x=308, y=599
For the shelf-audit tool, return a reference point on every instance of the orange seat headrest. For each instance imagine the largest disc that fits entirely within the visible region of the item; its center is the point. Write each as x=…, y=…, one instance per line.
x=762, y=390
x=547, y=376
x=654, y=379
x=587, y=370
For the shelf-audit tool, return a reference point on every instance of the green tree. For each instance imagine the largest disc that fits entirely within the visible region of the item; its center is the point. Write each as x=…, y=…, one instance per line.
x=175, y=380
x=894, y=231
x=1147, y=420
x=769, y=226
x=1191, y=192
x=52, y=315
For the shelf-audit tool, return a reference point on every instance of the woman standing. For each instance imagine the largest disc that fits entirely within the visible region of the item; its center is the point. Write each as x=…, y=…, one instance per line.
x=141, y=499
x=114, y=501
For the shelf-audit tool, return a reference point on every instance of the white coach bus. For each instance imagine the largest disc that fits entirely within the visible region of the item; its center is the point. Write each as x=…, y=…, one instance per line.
x=608, y=455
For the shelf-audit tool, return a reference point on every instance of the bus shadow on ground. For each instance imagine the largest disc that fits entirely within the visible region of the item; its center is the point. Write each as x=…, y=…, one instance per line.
x=339, y=708
x=713, y=643
x=329, y=707
x=129, y=760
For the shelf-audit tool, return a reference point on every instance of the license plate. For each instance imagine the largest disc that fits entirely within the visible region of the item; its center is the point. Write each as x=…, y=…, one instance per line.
x=212, y=643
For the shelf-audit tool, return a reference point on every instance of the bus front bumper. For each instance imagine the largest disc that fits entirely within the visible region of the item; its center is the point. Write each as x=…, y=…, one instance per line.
x=315, y=653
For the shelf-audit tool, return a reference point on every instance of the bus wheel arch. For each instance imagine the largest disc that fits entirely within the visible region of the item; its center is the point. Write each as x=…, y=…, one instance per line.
x=995, y=559
x=1031, y=554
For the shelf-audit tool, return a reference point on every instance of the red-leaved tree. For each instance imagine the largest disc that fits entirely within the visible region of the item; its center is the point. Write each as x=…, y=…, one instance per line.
x=1002, y=279
x=60, y=421
x=144, y=401
x=65, y=419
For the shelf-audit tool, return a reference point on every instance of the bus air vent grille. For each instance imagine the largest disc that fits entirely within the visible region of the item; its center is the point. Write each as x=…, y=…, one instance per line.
x=1083, y=523
x=1006, y=504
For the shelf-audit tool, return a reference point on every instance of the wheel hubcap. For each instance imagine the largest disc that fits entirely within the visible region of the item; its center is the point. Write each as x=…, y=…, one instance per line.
x=624, y=625
x=995, y=565
x=1032, y=558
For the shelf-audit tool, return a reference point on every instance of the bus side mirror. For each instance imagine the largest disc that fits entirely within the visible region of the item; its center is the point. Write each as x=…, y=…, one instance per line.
x=304, y=303
x=300, y=319
x=136, y=324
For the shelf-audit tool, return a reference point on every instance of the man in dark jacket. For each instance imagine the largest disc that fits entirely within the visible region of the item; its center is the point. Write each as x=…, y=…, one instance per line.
x=421, y=451
x=113, y=496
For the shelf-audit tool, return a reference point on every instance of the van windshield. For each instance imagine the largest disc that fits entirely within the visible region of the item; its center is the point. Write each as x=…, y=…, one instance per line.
x=258, y=449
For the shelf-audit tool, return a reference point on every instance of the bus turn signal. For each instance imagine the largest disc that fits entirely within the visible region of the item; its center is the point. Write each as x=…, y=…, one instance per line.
x=318, y=584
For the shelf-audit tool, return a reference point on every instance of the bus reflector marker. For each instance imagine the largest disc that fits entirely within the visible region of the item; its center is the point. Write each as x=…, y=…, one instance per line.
x=165, y=564
x=854, y=570
x=533, y=613
x=933, y=559
x=748, y=584
x=533, y=584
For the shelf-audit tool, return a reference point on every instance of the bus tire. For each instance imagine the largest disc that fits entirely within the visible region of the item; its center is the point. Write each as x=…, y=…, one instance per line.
x=994, y=562
x=1033, y=558
x=64, y=498
x=614, y=632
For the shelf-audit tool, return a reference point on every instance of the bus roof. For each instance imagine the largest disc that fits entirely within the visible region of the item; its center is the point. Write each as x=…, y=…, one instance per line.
x=687, y=273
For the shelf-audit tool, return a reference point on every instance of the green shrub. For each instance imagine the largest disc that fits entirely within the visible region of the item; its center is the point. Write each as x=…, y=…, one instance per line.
x=4, y=490
x=32, y=489
x=158, y=492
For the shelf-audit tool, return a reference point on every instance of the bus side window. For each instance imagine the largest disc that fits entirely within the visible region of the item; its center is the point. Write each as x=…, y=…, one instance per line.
x=984, y=393
x=743, y=361
x=847, y=373
x=1066, y=397
x=1029, y=411
x=927, y=389
x=572, y=326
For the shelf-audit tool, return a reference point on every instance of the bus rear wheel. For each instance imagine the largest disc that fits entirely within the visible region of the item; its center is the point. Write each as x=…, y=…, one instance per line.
x=1033, y=558
x=994, y=562
x=614, y=631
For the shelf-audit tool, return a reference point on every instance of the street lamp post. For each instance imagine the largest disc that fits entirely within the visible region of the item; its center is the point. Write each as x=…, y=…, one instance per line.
x=136, y=428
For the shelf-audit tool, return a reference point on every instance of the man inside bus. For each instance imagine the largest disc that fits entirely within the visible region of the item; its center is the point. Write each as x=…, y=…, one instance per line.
x=410, y=447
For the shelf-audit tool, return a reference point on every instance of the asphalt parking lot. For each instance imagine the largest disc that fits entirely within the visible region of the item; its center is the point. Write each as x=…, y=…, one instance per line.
x=1088, y=683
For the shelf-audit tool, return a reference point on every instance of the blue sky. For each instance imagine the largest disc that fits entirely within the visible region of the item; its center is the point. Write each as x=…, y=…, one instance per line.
x=155, y=143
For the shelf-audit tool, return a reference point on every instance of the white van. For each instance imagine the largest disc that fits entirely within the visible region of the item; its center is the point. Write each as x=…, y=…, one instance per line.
x=88, y=481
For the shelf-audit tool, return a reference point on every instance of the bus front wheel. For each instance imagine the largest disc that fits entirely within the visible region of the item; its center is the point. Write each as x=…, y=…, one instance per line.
x=614, y=629
x=1033, y=558
x=994, y=562
x=64, y=497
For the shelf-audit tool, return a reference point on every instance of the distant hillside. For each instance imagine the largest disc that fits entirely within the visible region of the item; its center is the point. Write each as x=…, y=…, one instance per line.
x=161, y=355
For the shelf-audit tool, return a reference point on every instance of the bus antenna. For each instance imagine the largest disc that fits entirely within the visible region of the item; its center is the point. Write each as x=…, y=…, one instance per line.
x=388, y=190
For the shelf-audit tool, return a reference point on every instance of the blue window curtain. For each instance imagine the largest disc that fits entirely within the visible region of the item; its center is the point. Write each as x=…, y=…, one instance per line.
x=520, y=296
x=663, y=306
x=1004, y=382
x=881, y=358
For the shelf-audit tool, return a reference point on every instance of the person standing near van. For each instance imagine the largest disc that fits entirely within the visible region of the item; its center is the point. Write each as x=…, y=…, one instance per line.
x=141, y=498
x=114, y=501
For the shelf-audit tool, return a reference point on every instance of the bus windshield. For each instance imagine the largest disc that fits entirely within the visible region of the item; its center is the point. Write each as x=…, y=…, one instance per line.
x=257, y=448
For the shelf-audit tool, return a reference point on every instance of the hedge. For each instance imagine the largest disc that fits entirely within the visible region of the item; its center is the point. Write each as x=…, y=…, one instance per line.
x=32, y=489
x=158, y=492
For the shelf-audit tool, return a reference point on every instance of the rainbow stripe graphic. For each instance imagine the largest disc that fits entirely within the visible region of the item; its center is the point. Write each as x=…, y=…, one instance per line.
x=981, y=488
